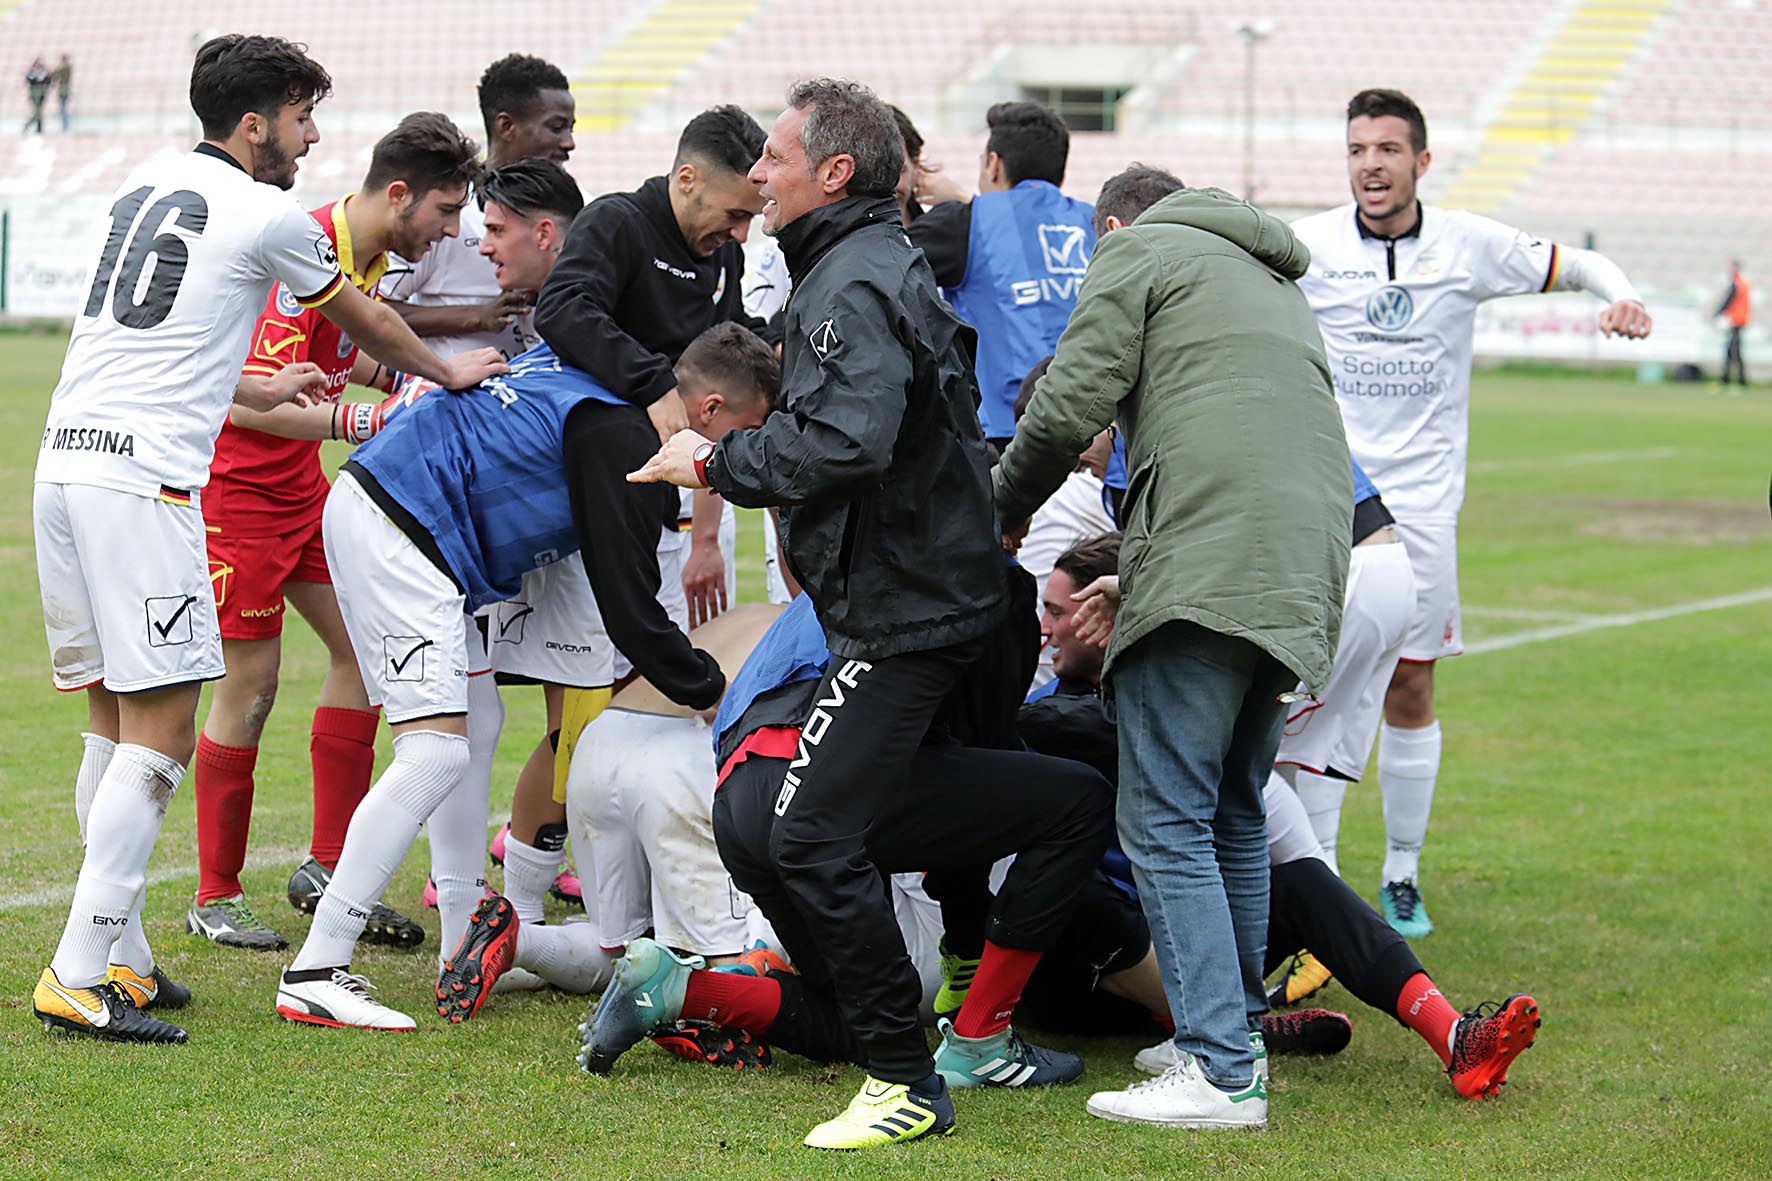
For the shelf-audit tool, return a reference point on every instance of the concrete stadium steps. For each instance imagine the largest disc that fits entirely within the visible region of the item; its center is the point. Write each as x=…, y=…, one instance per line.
x=647, y=60
x=1559, y=90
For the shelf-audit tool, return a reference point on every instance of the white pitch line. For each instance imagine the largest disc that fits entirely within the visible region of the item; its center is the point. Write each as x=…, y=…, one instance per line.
x=263, y=859
x=1580, y=459
x=1602, y=622
x=1529, y=615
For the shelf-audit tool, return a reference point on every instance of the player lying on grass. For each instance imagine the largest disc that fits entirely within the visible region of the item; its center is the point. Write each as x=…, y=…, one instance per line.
x=262, y=512
x=440, y=514
x=197, y=243
x=1052, y=814
x=1309, y=906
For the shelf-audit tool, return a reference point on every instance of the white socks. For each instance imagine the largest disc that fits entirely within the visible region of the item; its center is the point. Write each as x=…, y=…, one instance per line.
x=94, y=759
x=427, y=766
x=528, y=874
x=458, y=826
x=571, y=957
x=1408, y=765
x=122, y=826
x=1322, y=797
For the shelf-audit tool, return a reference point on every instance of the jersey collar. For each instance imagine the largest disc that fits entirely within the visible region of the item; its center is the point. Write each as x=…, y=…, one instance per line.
x=208, y=149
x=366, y=279
x=1413, y=231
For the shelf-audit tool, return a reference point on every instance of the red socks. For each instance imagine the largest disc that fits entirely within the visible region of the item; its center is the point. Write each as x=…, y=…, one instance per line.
x=1421, y=1007
x=223, y=787
x=1002, y=973
x=728, y=998
x=343, y=752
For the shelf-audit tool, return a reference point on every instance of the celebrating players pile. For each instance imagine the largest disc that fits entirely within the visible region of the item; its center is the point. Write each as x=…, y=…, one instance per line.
x=876, y=830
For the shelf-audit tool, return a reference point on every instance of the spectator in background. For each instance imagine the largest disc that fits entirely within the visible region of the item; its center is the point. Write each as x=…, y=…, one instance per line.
x=63, y=76
x=37, y=80
x=1737, y=308
x=1011, y=259
x=1192, y=334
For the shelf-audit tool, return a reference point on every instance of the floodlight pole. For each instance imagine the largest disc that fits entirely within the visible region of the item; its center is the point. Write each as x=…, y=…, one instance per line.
x=1252, y=33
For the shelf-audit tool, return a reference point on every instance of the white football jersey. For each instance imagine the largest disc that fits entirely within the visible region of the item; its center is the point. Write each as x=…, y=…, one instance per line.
x=767, y=283
x=1397, y=318
x=195, y=246
x=453, y=273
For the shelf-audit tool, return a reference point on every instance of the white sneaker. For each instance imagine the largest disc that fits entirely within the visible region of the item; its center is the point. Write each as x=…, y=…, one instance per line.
x=1182, y=1098
x=342, y=1002
x=1160, y=1057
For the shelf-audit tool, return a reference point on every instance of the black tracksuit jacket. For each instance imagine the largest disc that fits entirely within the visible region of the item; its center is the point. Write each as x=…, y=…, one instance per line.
x=627, y=295
x=876, y=457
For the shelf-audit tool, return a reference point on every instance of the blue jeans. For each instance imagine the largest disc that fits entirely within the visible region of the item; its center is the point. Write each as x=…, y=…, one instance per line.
x=1200, y=720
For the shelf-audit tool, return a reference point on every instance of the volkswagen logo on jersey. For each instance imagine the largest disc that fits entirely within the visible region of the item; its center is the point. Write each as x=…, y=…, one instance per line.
x=1389, y=309
x=1063, y=250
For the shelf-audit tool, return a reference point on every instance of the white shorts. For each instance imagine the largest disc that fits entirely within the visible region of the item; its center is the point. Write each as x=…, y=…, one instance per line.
x=1335, y=730
x=415, y=642
x=644, y=785
x=673, y=551
x=1437, y=630
x=552, y=631
x=919, y=918
x=125, y=587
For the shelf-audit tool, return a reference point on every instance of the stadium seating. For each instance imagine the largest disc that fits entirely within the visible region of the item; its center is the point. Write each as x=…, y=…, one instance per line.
x=1649, y=95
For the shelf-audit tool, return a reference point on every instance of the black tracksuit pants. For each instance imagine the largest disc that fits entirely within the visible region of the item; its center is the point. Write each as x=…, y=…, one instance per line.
x=1309, y=907
x=884, y=805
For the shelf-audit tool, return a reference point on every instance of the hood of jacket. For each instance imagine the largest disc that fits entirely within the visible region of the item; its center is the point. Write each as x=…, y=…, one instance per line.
x=1238, y=222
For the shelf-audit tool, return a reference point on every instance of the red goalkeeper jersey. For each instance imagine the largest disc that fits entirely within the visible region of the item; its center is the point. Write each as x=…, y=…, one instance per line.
x=263, y=485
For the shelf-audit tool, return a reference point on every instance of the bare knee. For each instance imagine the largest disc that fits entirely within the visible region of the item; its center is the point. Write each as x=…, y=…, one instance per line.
x=1409, y=702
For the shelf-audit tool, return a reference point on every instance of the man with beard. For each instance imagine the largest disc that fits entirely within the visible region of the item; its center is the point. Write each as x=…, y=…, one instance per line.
x=153, y=364
x=1395, y=286
x=266, y=490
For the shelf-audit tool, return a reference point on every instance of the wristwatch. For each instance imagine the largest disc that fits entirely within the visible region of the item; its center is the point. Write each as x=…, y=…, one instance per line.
x=702, y=454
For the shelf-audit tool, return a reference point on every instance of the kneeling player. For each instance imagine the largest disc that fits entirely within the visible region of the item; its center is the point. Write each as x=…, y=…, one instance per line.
x=440, y=514
x=1052, y=814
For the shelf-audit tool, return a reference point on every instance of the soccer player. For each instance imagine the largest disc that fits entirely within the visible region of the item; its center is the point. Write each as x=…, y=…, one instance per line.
x=437, y=516
x=262, y=514
x=638, y=277
x=196, y=244
x=879, y=425
x=1395, y=285
x=450, y=296
x=1309, y=904
x=455, y=298
x=1012, y=258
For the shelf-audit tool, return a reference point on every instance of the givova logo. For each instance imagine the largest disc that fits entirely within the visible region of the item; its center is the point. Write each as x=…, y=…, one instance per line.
x=1063, y=250
x=1389, y=309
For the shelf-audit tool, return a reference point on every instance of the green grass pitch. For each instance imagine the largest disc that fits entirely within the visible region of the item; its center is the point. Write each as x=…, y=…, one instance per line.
x=1600, y=839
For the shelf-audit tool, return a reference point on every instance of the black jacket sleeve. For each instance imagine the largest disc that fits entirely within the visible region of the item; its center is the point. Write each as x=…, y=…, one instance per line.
x=845, y=393
x=618, y=526
x=943, y=233
x=1728, y=298
x=575, y=311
